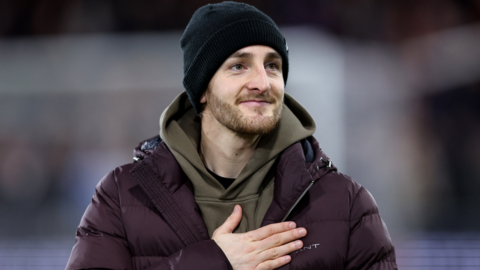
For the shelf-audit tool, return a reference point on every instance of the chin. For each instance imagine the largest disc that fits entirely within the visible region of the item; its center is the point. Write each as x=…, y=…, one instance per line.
x=256, y=124
x=258, y=111
x=258, y=116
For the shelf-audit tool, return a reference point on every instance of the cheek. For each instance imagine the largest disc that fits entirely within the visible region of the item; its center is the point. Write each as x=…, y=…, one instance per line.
x=278, y=88
x=221, y=96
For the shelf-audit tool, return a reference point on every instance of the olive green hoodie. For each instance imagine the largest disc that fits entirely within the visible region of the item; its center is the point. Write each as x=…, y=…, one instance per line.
x=253, y=188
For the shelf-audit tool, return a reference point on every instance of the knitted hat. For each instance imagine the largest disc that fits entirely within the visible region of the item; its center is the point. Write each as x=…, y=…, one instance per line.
x=214, y=33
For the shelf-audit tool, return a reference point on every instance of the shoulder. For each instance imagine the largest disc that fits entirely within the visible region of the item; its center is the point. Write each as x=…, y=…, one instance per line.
x=340, y=183
x=115, y=181
x=335, y=196
x=120, y=178
x=346, y=188
x=152, y=159
x=338, y=189
x=360, y=200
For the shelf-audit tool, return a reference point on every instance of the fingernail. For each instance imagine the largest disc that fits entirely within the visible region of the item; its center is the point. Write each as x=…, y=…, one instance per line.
x=302, y=231
x=292, y=225
x=298, y=244
x=235, y=209
x=287, y=258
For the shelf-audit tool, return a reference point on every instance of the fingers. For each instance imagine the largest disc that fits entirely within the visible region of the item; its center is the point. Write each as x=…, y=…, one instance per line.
x=271, y=229
x=276, y=252
x=274, y=264
x=275, y=257
x=282, y=238
x=231, y=223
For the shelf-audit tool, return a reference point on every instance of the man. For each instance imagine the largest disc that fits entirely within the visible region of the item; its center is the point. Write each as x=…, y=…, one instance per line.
x=235, y=180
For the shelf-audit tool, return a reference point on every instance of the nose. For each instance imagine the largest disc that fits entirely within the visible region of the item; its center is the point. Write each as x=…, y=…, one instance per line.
x=259, y=80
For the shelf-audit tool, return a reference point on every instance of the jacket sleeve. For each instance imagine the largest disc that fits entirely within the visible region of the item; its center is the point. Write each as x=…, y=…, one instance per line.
x=370, y=246
x=101, y=242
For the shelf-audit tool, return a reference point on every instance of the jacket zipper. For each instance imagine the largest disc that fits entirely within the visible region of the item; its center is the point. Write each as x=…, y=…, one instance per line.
x=298, y=200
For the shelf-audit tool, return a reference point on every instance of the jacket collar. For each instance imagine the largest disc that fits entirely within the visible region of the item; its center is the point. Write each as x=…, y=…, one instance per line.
x=294, y=175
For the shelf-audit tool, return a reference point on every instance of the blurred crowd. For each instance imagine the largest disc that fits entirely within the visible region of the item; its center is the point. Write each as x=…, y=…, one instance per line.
x=381, y=20
x=451, y=126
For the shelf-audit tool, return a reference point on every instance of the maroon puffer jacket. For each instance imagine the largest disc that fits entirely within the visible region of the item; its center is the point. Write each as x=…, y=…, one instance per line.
x=144, y=216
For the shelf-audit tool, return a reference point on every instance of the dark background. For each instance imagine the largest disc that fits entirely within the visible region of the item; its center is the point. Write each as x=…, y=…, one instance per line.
x=382, y=20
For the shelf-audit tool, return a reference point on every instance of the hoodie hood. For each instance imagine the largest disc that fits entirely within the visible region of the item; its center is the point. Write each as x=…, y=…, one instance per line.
x=181, y=133
x=253, y=188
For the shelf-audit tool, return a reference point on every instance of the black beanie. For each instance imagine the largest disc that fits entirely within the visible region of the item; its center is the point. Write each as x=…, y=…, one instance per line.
x=214, y=33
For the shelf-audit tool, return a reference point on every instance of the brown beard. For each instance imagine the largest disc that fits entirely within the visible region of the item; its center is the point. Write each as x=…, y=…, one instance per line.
x=232, y=118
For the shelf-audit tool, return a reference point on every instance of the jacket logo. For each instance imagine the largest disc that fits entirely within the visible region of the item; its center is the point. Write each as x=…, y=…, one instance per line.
x=309, y=247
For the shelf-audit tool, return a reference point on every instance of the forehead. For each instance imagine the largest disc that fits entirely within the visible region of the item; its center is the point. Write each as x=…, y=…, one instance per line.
x=252, y=51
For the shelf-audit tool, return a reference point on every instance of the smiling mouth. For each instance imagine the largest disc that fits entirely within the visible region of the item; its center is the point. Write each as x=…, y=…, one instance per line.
x=255, y=102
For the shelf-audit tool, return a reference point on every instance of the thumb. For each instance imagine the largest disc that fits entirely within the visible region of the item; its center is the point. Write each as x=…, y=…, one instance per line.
x=232, y=221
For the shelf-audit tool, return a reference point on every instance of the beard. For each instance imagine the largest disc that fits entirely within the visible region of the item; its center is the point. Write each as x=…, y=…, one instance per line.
x=232, y=117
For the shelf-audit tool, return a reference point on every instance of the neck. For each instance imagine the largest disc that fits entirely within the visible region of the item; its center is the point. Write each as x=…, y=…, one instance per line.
x=225, y=152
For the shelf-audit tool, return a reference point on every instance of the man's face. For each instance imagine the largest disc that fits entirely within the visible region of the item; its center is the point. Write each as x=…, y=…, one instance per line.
x=246, y=93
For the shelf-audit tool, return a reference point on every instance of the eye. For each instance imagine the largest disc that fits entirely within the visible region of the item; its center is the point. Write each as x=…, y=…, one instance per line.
x=271, y=66
x=237, y=67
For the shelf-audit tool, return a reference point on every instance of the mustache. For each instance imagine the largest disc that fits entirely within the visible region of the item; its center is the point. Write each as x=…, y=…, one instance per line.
x=262, y=97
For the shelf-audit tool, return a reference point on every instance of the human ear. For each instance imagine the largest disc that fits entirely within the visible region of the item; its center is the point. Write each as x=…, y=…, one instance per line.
x=203, y=99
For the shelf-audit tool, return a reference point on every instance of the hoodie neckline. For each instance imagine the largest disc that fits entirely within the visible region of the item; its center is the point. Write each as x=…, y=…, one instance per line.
x=181, y=134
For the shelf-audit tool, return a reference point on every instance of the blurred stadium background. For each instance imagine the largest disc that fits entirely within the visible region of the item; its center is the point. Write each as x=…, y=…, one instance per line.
x=398, y=83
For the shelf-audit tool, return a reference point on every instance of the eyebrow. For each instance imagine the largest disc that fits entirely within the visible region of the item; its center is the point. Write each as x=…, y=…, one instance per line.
x=270, y=55
x=241, y=55
x=273, y=55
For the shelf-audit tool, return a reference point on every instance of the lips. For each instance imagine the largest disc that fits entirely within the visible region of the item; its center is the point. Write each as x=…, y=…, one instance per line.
x=255, y=103
x=255, y=99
